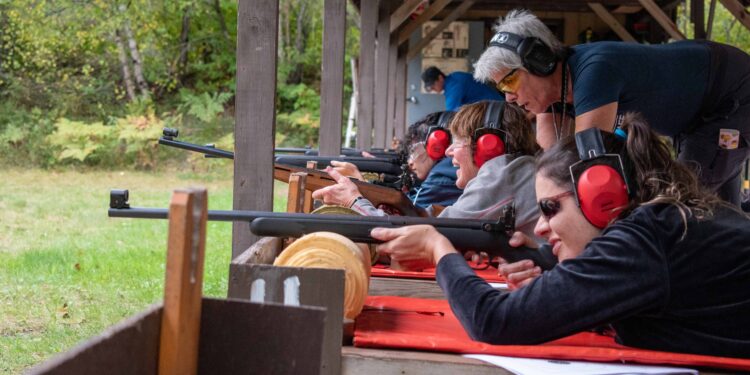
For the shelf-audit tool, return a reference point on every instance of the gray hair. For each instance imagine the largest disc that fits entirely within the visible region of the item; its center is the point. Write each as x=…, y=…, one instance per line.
x=523, y=23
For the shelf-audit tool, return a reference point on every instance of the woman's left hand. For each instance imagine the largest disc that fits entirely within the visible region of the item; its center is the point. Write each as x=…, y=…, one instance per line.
x=413, y=247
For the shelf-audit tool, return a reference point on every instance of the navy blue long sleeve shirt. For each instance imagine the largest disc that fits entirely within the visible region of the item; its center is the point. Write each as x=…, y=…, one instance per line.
x=657, y=289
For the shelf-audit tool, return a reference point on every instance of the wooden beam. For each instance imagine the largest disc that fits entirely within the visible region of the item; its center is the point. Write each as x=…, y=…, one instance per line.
x=666, y=23
x=697, y=11
x=627, y=9
x=427, y=15
x=382, y=51
x=610, y=20
x=365, y=99
x=738, y=10
x=332, y=77
x=255, y=116
x=461, y=9
x=392, y=84
x=183, y=287
x=402, y=13
x=710, y=22
x=399, y=126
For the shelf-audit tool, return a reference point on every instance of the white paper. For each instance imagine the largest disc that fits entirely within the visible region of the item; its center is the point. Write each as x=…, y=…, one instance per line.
x=524, y=366
x=499, y=285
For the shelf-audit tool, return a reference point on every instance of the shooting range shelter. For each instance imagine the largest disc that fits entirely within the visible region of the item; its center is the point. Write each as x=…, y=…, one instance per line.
x=391, y=46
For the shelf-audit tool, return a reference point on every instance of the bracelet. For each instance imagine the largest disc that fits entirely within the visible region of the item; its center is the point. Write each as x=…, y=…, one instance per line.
x=354, y=201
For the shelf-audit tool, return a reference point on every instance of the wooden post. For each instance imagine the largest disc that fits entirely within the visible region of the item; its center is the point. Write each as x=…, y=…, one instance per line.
x=738, y=10
x=696, y=15
x=610, y=20
x=255, y=116
x=332, y=77
x=666, y=23
x=458, y=12
x=380, y=102
x=427, y=15
x=710, y=21
x=183, y=288
x=307, y=205
x=368, y=22
x=400, y=115
x=296, y=194
x=392, y=85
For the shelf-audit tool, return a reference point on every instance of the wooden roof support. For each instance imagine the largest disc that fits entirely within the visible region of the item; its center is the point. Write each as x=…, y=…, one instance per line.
x=610, y=20
x=399, y=121
x=332, y=77
x=402, y=13
x=658, y=14
x=460, y=10
x=382, y=52
x=392, y=84
x=255, y=115
x=710, y=22
x=427, y=15
x=697, y=11
x=738, y=10
x=368, y=22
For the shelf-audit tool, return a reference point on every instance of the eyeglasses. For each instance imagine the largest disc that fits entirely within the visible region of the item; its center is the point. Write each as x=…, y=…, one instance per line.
x=550, y=206
x=416, y=150
x=509, y=83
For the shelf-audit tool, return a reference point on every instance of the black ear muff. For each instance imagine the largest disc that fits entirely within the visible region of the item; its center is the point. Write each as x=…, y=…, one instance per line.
x=438, y=137
x=489, y=140
x=601, y=188
x=536, y=57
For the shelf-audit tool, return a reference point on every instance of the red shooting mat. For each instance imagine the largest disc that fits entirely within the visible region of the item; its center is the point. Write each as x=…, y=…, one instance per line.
x=425, y=324
x=489, y=274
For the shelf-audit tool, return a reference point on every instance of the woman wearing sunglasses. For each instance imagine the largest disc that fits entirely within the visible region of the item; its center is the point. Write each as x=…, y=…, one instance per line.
x=668, y=271
x=436, y=179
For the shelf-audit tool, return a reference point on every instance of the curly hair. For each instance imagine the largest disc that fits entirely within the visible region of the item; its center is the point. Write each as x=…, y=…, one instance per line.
x=651, y=170
x=520, y=134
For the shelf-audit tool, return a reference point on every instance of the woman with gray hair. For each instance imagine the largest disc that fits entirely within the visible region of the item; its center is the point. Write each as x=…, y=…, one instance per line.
x=695, y=91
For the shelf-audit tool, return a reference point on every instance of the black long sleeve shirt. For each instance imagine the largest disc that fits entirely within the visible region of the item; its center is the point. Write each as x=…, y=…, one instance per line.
x=658, y=290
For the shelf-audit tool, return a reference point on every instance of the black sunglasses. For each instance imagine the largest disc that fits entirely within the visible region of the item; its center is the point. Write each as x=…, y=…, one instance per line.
x=550, y=206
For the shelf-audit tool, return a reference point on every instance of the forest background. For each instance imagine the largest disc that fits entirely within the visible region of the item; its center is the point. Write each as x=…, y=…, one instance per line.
x=93, y=82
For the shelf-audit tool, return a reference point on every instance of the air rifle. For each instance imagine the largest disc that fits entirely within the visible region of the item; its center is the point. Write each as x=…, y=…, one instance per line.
x=487, y=236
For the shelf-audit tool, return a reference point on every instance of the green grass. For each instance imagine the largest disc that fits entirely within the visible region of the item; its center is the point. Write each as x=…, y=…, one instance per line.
x=67, y=271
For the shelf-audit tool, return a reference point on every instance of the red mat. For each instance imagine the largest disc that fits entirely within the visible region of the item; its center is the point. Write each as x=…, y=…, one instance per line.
x=423, y=324
x=489, y=274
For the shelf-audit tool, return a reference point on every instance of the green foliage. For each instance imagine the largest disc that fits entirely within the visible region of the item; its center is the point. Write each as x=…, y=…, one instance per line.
x=298, y=119
x=205, y=106
x=79, y=141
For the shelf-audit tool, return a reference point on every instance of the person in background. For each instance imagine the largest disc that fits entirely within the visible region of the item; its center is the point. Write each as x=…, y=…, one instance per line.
x=436, y=177
x=459, y=88
x=665, y=264
x=696, y=91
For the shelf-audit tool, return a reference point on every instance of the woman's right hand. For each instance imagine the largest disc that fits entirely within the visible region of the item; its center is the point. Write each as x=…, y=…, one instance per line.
x=347, y=169
x=521, y=273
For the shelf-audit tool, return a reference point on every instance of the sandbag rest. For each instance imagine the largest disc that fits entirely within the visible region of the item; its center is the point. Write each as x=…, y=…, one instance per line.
x=424, y=324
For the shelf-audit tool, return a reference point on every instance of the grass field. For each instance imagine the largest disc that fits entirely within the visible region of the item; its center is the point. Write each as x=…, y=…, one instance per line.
x=67, y=271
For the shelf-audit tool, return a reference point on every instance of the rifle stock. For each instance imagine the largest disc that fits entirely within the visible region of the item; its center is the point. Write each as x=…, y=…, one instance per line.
x=376, y=194
x=465, y=234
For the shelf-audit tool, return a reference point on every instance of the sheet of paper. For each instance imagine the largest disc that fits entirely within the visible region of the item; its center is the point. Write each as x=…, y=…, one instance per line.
x=499, y=285
x=524, y=366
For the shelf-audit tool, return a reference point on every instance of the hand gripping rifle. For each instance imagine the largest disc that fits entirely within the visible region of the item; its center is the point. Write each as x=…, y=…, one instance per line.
x=487, y=236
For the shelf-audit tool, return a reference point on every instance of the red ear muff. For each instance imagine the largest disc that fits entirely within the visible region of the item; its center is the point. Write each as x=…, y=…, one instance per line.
x=437, y=142
x=601, y=190
x=488, y=146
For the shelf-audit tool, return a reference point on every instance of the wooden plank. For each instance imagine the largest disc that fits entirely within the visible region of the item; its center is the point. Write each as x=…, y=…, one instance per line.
x=307, y=205
x=365, y=98
x=666, y=23
x=255, y=115
x=128, y=347
x=738, y=10
x=392, y=84
x=427, y=15
x=610, y=20
x=332, y=77
x=382, y=361
x=296, y=192
x=262, y=252
x=316, y=287
x=400, y=114
x=382, y=57
x=460, y=10
x=402, y=13
x=183, y=287
x=374, y=193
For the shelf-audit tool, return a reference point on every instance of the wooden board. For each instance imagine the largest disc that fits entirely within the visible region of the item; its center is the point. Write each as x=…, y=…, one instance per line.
x=315, y=287
x=332, y=77
x=366, y=69
x=235, y=337
x=374, y=193
x=380, y=361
